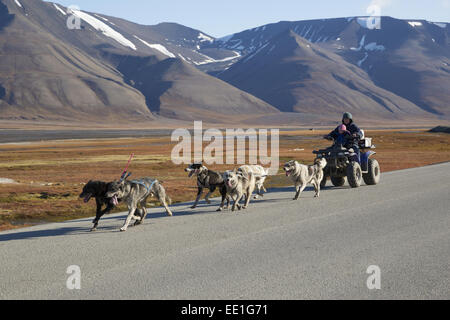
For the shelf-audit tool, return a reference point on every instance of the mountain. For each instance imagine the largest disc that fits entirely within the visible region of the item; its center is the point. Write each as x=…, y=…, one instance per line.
x=176, y=89
x=295, y=75
x=42, y=77
x=65, y=64
x=108, y=69
x=409, y=59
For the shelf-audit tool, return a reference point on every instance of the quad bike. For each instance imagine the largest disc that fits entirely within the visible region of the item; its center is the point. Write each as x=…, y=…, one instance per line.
x=343, y=163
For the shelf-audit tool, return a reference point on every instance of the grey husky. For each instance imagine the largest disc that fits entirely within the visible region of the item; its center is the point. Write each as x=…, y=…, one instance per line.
x=135, y=193
x=302, y=175
x=239, y=184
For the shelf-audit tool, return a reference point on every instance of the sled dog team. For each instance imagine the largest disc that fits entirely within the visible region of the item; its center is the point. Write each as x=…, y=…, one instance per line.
x=234, y=185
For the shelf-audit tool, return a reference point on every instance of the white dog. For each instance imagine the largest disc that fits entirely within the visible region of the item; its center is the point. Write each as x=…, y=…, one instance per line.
x=302, y=174
x=239, y=184
x=260, y=173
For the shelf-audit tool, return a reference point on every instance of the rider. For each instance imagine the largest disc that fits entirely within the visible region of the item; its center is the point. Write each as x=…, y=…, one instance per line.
x=355, y=132
x=344, y=136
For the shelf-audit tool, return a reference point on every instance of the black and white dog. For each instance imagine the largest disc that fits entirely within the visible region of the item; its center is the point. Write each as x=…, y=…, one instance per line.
x=207, y=179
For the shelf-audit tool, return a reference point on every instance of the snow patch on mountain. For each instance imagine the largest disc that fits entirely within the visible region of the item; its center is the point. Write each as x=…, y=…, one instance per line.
x=415, y=23
x=156, y=46
x=206, y=61
x=255, y=53
x=100, y=17
x=212, y=60
x=360, y=62
x=18, y=3
x=105, y=29
x=362, y=22
x=374, y=47
x=368, y=22
x=440, y=24
x=204, y=38
x=234, y=46
x=60, y=10
x=306, y=33
x=184, y=58
x=361, y=44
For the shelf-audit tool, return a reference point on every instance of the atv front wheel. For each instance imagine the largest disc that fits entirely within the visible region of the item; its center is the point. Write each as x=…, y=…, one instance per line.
x=338, y=181
x=373, y=175
x=354, y=174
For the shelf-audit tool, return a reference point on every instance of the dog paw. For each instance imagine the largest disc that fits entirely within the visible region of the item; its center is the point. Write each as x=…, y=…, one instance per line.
x=93, y=229
x=123, y=229
x=220, y=209
x=193, y=207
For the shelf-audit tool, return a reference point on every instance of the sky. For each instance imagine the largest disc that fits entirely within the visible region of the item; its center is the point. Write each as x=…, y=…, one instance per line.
x=221, y=18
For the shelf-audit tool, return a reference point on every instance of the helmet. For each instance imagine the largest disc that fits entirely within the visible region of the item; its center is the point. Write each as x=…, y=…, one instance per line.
x=347, y=115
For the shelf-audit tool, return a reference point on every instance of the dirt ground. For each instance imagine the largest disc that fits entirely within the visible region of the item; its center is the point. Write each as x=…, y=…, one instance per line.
x=49, y=176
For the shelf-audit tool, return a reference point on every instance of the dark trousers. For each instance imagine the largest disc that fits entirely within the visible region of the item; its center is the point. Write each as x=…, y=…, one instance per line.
x=358, y=153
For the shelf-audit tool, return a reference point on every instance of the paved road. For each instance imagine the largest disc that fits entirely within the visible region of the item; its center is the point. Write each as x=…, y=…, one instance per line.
x=276, y=249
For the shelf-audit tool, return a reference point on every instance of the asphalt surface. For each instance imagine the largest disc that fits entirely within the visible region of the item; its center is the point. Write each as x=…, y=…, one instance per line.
x=276, y=249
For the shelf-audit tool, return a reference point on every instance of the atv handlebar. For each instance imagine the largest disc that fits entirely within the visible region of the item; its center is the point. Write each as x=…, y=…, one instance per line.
x=352, y=137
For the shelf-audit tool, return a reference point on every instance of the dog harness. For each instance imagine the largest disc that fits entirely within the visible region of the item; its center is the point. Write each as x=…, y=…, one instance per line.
x=204, y=182
x=143, y=184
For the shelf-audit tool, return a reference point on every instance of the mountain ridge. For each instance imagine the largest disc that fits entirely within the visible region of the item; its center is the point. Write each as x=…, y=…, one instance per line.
x=116, y=70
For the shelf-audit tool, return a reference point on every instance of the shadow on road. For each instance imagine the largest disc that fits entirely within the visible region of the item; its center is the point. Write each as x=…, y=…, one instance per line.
x=21, y=235
x=179, y=209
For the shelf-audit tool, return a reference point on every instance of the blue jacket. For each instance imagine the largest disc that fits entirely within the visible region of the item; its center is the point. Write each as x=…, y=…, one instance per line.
x=352, y=128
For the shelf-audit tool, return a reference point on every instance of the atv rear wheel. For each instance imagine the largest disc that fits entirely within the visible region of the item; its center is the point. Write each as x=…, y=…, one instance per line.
x=373, y=175
x=338, y=181
x=354, y=174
